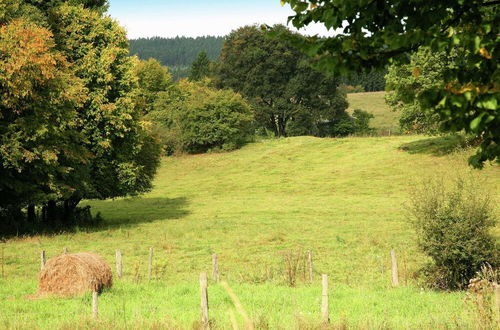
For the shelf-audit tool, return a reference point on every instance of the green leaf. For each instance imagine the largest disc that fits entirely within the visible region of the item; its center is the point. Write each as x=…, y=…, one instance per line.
x=474, y=125
x=490, y=103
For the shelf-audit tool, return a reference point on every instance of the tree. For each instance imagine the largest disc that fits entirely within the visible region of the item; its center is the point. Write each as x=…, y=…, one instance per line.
x=197, y=118
x=278, y=81
x=88, y=144
x=378, y=32
x=38, y=97
x=200, y=68
x=404, y=81
x=153, y=79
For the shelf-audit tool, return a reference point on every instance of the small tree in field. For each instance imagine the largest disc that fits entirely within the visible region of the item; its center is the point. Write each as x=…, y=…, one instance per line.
x=453, y=228
x=196, y=118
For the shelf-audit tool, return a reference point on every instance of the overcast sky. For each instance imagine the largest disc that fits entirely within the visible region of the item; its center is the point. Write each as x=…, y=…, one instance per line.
x=192, y=18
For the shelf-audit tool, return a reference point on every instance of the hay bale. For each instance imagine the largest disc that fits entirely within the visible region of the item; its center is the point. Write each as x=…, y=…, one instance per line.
x=75, y=273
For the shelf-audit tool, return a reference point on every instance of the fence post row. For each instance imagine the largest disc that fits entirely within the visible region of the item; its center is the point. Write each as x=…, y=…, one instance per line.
x=204, y=301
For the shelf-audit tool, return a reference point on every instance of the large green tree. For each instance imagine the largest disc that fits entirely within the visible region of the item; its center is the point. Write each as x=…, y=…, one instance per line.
x=38, y=100
x=371, y=33
x=72, y=127
x=404, y=81
x=278, y=80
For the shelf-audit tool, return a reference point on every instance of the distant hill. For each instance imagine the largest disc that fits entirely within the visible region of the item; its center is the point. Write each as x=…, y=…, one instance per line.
x=176, y=53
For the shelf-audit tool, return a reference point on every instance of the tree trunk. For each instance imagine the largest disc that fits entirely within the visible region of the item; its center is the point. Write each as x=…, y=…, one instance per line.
x=69, y=209
x=31, y=214
x=51, y=213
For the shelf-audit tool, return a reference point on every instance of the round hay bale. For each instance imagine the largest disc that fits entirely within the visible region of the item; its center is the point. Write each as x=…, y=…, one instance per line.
x=75, y=273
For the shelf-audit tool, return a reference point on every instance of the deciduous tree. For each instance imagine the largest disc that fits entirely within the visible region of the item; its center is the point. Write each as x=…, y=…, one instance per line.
x=372, y=33
x=278, y=80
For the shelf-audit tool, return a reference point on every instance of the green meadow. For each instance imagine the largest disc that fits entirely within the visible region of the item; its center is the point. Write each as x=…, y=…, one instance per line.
x=384, y=120
x=342, y=199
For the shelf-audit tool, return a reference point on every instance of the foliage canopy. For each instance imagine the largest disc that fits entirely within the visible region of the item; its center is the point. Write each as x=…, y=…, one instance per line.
x=196, y=118
x=373, y=33
x=278, y=81
x=70, y=127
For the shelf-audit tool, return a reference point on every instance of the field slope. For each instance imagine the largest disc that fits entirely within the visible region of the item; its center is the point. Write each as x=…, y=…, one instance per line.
x=343, y=199
x=384, y=120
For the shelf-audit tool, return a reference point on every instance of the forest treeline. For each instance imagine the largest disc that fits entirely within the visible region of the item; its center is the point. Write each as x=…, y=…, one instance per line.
x=180, y=52
x=176, y=53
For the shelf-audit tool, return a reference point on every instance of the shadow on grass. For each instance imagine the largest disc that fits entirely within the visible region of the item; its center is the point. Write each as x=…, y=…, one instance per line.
x=129, y=212
x=95, y=216
x=436, y=146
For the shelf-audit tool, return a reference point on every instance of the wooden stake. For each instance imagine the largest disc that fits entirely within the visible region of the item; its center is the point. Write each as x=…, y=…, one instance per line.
x=215, y=266
x=65, y=250
x=204, y=301
x=310, y=265
x=42, y=260
x=95, y=307
x=150, y=264
x=395, y=277
x=324, y=301
x=119, y=263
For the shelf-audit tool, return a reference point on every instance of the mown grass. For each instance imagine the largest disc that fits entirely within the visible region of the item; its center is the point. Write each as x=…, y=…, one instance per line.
x=343, y=199
x=385, y=120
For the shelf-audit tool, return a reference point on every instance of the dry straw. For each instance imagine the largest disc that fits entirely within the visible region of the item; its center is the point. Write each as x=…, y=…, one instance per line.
x=73, y=274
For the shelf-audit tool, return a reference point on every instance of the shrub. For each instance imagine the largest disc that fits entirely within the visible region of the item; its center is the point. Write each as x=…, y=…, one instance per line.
x=453, y=228
x=343, y=125
x=198, y=119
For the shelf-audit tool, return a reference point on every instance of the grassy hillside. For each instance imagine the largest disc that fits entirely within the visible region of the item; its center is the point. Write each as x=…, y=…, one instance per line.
x=343, y=199
x=385, y=120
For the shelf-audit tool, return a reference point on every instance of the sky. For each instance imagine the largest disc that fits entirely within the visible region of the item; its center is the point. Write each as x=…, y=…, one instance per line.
x=192, y=18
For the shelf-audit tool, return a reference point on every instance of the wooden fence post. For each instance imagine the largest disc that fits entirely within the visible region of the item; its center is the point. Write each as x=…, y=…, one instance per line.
x=95, y=307
x=42, y=259
x=215, y=266
x=150, y=264
x=119, y=263
x=310, y=265
x=204, y=301
x=395, y=276
x=324, y=301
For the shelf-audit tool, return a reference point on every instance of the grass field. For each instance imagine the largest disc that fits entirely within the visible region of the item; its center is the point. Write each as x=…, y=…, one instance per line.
x=343, y=199
x=385, y=120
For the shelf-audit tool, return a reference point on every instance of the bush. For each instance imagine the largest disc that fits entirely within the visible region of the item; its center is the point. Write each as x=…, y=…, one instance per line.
x=199, y=119
x=453, y=228
x=344, y=125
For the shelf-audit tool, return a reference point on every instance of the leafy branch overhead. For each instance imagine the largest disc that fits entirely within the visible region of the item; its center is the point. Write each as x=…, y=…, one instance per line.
x=374, y=33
